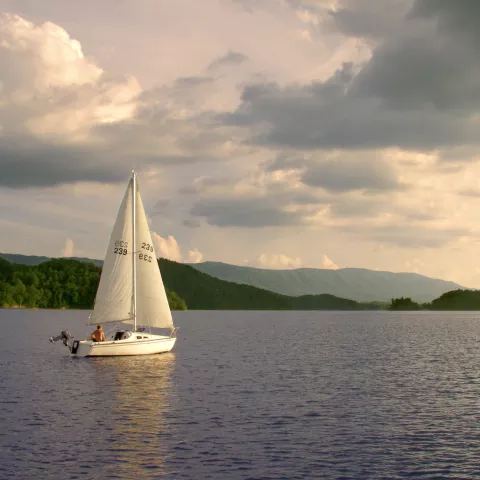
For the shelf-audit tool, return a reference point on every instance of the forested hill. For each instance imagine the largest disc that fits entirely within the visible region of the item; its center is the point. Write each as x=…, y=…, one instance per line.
x=67, y=283
x=203, y=292
x=56, y=283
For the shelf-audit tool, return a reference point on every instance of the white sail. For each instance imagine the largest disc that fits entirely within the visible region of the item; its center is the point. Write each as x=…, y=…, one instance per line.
x=113, y=302
x=152, y=304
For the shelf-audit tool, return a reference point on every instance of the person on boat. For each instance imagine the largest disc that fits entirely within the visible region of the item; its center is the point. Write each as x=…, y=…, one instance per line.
x=98, y=335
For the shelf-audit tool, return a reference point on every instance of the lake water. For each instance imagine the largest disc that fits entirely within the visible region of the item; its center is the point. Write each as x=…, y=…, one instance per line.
x=246, y=395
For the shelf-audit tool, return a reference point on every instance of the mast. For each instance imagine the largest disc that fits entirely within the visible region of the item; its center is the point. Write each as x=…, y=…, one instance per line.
x=134, y=252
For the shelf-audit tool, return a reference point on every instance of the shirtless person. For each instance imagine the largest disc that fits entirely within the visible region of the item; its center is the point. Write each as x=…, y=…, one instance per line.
x=98, y=335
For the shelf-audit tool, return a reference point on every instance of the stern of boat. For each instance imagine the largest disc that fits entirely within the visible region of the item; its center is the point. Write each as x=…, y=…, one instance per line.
x=80, y=348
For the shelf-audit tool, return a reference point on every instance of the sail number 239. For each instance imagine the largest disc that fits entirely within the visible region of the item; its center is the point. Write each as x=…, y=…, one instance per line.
x=120, y=247
x=143, y=256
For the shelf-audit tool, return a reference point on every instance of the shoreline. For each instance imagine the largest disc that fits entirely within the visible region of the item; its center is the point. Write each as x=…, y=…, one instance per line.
x=20, y=307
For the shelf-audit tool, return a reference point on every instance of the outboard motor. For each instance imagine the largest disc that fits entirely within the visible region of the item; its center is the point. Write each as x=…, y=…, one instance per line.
x=65, y=336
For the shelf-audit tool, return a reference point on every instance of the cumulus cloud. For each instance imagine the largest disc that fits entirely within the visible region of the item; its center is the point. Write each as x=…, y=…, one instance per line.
x=63, y=119
x=169, y=248
x=328, y=263
x=297, y=190
x=414, y=265
x=58, y=59
x=68, y=248
x=194, y=256
x=51, y=99
x=278, y=261
x=277, y=195
x=55, y=90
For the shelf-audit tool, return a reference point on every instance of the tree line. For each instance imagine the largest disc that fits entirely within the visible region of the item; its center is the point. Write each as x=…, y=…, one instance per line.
x=56, y=283
x=453, y=300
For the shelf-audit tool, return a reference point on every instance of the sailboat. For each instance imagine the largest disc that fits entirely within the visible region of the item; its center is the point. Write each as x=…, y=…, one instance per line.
x=130, y=291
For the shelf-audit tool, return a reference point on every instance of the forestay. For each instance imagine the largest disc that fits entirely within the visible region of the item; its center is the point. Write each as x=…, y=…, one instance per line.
x=113, y=302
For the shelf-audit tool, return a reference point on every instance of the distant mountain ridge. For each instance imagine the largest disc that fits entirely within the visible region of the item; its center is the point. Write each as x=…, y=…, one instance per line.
x=357, y=284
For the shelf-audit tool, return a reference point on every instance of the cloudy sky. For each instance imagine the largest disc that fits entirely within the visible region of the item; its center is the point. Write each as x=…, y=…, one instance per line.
x=271, y=133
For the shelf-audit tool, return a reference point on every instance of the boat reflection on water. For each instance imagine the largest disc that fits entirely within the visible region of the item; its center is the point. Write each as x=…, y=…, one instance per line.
x=142, y=394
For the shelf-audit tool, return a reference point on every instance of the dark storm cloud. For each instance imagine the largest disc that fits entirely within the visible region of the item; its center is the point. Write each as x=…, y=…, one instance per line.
x=28, y=163
x=458, y=17
x=342, y=174
x=369, y=18
x=420, y=91
x=423, y=71
x=244, y=212
x=326, y=116
x=25, y=163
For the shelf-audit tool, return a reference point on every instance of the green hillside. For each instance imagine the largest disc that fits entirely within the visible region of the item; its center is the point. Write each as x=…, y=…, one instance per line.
x=203, y=292
x=68, y=283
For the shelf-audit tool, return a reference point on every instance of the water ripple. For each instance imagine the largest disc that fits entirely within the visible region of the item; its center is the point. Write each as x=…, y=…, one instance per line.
x=247, y=395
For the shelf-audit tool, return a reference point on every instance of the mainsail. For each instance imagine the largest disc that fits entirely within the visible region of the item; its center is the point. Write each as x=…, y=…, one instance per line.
x=113, y=302
x=115, y=295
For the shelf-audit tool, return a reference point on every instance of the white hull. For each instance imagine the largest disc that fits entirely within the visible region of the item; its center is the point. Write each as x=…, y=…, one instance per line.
x=138, y=344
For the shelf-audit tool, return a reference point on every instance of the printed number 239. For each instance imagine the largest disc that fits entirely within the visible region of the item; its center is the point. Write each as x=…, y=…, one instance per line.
x=147, y=246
